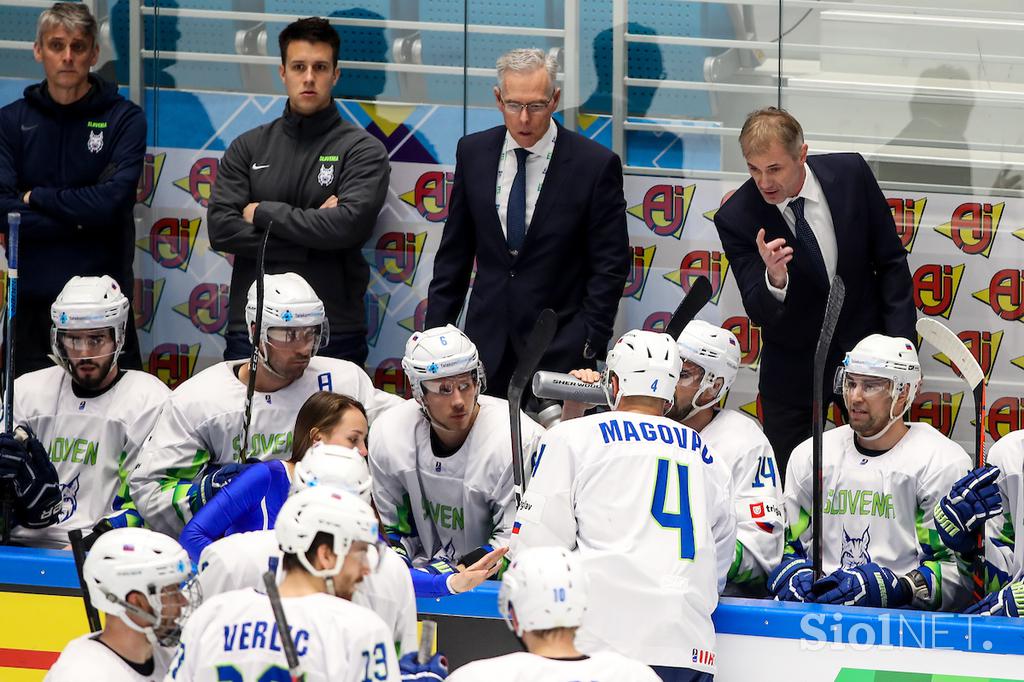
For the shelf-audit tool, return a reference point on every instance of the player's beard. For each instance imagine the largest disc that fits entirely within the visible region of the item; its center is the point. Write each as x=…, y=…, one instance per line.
x=93, y=381
x=679, y=412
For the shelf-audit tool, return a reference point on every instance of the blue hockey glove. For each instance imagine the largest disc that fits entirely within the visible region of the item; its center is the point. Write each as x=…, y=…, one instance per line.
x=439, y=566
x=209, y=484
x=961, y=513
x=1008, y=601
x=434, y=669
x=865, y=585
x=25, y=463
x=791, y=580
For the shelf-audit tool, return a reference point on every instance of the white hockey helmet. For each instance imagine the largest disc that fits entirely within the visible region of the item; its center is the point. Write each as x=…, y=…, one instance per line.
x=546, y=587
x=713, y=349
x=440, y=352
x=126, y=560
x=325, y=509
x=888, y=357
x=88, y=303
x=646, y=363
x=333, y=465
x=288, y=301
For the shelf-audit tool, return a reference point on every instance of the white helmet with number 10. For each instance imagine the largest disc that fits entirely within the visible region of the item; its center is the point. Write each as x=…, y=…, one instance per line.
x=543, y=588
x=438, y=353
x=646, y=364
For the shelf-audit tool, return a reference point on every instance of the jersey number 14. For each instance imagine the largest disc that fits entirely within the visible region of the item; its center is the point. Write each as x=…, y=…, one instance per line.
x=678, y=520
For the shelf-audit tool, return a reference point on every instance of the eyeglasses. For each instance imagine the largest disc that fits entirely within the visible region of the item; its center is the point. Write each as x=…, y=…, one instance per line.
x=447, y=387
x=293, y=335
x=533, y=108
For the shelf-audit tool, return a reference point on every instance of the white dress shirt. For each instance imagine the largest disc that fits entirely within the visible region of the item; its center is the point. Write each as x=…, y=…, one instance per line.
x=819, y=217
x=536, y=168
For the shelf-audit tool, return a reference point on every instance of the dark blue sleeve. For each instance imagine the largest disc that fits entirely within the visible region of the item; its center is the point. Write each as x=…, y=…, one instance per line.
x=238, y=499
x=429, y=585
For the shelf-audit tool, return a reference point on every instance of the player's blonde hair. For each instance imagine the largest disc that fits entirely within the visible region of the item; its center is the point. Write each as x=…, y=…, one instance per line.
x=768, y=125
x=322, y=411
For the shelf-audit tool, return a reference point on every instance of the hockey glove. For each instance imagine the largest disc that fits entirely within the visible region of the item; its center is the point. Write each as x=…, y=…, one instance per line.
x=209, y=484
x=792, y=580
x=478, y=554
x=961, y=513
x=439, y=566
x=1008, y=601
x=865, y=585
x=25, y=463
x=434, y=669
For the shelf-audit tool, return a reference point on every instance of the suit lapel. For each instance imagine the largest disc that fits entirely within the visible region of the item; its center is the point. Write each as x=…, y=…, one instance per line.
x=553, y=180
x=835, y=197
x=486, y=169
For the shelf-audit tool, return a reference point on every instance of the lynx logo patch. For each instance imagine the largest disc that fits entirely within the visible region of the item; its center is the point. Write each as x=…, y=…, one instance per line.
x=68, y=499
x=95, y=142
x=326, y=175
x=855, y=549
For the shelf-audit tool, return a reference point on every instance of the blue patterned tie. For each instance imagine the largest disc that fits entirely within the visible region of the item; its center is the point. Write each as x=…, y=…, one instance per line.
x=515, y=218
x=806, y=237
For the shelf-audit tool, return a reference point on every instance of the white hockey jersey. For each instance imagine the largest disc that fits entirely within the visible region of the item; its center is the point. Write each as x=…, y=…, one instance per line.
x=240, y=560
x=234, y=636
x=603, y=666
x=760, y=517
x=202, y=424
x=878, y=508
x=86, y=654
x=1005, y=561
x=94, y=443
x=649, y=508
x=468, y=500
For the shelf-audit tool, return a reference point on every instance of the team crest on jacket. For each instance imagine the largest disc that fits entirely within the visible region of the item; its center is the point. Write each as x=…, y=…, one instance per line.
x=326, y=175
x=95, y=143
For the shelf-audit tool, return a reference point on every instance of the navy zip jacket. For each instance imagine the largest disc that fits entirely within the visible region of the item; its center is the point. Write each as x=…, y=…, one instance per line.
x=82, y=163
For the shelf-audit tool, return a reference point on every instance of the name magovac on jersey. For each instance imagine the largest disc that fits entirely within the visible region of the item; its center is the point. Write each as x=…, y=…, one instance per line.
x=859, y=503
x=681, y=437
x=259, y=634
x=444, y=515
x=78, y=450
x=266, y=444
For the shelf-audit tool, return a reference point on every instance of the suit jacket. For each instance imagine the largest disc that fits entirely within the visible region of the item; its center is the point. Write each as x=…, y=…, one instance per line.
x=574, y=259
x=870, y=259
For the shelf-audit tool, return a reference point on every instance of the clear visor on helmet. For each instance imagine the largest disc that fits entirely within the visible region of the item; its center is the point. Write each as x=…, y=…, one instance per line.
x=315, y=336
x=446, y=386
x=690, y=374
x=369, y=553
x=84, y=344
x=869, y=385
x=173, y=605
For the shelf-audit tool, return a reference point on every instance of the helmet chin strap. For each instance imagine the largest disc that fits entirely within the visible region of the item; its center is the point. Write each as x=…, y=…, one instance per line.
x=892, y=420
x=148, y=630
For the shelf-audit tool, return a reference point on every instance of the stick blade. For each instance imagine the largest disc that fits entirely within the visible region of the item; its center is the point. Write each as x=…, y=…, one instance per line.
x=942, y=337
x=696, y=298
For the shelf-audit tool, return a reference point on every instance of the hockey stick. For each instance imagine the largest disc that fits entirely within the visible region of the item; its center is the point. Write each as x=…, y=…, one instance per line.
x=78, y=552
x=13, y=224
x=287, y=643
x=558, y=386
x=940, y=336
x=536, y=345
x=254, y=357
x=428, y=631
x=834, y=306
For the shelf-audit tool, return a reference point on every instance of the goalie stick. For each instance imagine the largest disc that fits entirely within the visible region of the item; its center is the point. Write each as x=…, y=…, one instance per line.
x=13, y=225
x=536, y=345
x=558, y=386
x=943, y=339
x=834, y=306
x=284, y=634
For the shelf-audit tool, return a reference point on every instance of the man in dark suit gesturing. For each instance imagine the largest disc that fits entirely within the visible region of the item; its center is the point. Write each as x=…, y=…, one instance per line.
x=541, y=209
x=787, y=231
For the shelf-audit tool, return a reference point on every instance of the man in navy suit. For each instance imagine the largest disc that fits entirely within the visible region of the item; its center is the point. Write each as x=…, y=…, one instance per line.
x=541, y=209
x=790, y=228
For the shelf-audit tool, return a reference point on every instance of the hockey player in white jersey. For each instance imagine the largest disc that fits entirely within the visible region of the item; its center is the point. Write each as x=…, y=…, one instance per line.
x=91, y=416
x=882, y=478
x=329, y=540
x=442, y=461
x=238, y=561
x=543, y=597
x=200, y=430
x=143, y=581
x=647, y=505
x=990, y=497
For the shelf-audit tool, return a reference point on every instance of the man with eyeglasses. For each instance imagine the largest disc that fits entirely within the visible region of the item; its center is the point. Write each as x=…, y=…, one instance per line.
x=196, y=446
x=442, y=462
x=71, y=152
x=90, y=415
x=881, y=480
x=316, y=182
x=541, y=211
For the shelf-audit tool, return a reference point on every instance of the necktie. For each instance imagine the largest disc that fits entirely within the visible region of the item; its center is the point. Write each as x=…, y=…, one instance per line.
x=806, y=236
x=515, y=218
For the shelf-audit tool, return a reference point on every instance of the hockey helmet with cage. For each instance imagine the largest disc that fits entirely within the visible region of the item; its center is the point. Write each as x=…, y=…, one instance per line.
x=713, y=349
x=126, y=560
x=544, y=588
x=333, y=465
x=288, y=301
x=326, y=509
x=646, y=364
x=88, y=303
x=441, y=352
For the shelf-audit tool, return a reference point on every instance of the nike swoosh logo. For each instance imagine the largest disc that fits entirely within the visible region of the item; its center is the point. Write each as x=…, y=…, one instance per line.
x=25, y=128
x=259, y=167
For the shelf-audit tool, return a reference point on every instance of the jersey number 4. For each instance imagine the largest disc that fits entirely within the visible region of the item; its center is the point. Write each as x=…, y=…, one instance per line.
x=677, y=520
